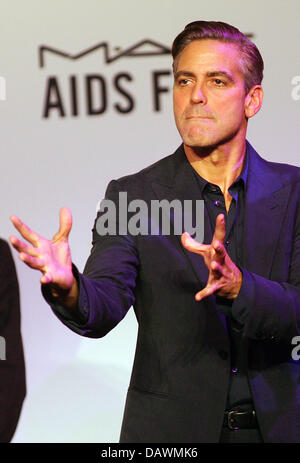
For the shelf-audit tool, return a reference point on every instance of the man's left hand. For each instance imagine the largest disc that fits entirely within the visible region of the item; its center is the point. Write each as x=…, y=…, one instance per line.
x=225, y=278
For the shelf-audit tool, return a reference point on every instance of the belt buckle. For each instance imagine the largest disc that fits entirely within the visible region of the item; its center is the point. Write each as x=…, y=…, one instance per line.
x=230, y=420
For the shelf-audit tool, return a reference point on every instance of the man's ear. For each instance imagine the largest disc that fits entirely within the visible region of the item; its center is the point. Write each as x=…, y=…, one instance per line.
x=253, y=101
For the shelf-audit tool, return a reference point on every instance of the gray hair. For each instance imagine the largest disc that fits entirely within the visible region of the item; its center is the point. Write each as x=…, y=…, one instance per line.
x=252, y=64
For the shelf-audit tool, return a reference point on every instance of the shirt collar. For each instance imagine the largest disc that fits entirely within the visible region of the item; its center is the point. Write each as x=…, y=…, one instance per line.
x=244, y=174
x=242, y=178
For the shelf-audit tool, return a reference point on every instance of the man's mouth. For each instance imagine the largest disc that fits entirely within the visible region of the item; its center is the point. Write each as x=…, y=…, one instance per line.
x=198, y=117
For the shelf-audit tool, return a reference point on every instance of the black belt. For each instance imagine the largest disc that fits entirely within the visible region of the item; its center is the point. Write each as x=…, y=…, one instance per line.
x=239, y=419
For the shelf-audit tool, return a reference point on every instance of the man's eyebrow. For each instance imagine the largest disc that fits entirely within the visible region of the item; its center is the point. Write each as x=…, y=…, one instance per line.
x=217, y=73
x=220, y=73
x=183, y=73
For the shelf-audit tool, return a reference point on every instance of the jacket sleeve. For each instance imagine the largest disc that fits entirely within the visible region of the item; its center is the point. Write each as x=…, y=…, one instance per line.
x=106, y=287
x=267, y=309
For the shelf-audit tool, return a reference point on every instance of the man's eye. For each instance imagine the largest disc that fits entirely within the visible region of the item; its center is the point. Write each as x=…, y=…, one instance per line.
x=183, y=81
x=219, y=82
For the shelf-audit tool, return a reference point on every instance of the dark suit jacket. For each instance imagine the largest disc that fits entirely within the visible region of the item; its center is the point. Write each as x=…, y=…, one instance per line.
x=179, y=381
x=12, y=369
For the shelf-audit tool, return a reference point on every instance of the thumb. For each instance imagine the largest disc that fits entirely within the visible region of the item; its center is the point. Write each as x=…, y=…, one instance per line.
x=45, y=279
x=65, y=224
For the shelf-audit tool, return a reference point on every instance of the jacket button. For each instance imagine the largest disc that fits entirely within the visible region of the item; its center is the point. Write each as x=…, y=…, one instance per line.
x=223, y=354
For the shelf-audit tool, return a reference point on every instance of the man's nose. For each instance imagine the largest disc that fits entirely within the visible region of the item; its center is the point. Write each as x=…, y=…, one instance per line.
x=198, y=95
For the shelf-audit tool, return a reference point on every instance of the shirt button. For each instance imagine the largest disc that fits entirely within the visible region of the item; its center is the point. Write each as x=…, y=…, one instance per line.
x=227, y=242
x=217, y=203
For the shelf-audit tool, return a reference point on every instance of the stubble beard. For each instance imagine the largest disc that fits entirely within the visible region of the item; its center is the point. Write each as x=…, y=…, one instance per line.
x=205, y=143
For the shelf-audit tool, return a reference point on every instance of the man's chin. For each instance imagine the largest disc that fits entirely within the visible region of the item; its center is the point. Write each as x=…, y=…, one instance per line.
x=204, y=144
x=196, y=138
x=200, y=145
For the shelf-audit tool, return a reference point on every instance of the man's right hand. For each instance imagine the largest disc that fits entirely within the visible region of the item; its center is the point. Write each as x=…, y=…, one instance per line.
x=51, y=257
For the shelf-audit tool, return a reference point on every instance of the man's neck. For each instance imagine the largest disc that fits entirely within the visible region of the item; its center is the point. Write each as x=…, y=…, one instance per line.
x=221, y=165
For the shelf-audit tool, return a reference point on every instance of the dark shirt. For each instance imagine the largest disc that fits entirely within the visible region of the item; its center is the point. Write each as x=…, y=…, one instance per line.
x=235, y=309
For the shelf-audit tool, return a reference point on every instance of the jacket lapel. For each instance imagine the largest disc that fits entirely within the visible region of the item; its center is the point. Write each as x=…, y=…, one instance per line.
x=181, y=183
x=183, y=186
x=266, y=201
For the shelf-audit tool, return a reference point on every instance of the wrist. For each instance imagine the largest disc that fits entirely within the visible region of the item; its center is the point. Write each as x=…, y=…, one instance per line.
x=67, y=297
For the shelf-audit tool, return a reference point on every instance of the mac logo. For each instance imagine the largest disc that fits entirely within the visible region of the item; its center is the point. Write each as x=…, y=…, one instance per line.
x=139, y=49
x=63, y=95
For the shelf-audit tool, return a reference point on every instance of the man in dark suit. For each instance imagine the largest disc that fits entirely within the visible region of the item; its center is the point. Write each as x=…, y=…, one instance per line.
x=216, y=321
x=12, y=368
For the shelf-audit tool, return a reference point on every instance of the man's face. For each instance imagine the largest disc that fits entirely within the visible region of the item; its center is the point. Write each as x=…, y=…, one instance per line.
x=209, y=94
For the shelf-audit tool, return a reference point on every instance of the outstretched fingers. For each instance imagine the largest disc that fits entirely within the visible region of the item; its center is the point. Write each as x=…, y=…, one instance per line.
x=207, y=291
x=20, y=246
x=220, y=251
x=25, y=231
x=32, y=262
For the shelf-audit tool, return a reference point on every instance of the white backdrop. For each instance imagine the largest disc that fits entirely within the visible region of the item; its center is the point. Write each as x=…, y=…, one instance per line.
x=77, y=386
